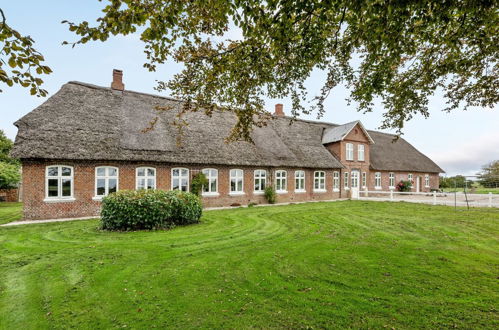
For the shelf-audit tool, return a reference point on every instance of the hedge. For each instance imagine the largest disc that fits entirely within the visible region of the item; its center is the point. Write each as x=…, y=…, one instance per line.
x=149, y=209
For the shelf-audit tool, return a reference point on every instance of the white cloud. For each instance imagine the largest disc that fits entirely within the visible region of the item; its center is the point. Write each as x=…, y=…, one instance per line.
x=468, y=158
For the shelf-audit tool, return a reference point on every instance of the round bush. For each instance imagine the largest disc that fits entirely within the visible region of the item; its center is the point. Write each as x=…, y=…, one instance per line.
x=149, y=209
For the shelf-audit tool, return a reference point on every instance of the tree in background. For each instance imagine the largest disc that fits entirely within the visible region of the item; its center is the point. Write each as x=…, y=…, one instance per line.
x=489, y=176
x=458, y=181
x=20, y=63
x=10, y=174
x=400, y=52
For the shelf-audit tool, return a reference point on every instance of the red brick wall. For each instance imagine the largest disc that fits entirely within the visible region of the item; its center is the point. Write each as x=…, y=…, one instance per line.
x=9, y=195
x=84, y=187
x=399, y=176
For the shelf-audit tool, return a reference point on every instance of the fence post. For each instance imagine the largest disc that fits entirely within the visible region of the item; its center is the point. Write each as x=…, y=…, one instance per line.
x=434, y=197
x=391, y=194
x=367, y=192
x=490, y=199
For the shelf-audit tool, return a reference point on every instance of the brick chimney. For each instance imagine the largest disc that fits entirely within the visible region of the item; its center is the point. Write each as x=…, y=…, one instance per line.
x=279, y=112
x=117, y=83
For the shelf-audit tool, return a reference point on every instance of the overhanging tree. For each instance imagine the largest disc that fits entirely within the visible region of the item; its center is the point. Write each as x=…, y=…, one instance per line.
x=405, y=50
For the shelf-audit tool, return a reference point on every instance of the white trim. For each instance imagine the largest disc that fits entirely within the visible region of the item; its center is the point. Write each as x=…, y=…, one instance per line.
x=106, y=178
x=260, y=177
x=364, y=179
x=336, y=181
x=377, y=176
x=210, y=178
x=59, y=178
x=180, y=177
x=349, y=151
x=145, y=177
x=427, y=181
x=282, y=178
x=359, y=153
x=236, y=192
x=300, y=190
x=321, y=180
x=391, y=185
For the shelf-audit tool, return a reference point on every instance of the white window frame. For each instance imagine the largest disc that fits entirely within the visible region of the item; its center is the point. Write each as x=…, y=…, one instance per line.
x=361, y=152
x=210, y=178
x=300, y=181
x=349, y=151
x=145, y=177
x=364, y=179
x=262, y=175
x=282, y=176
x=179, y=177
x=410, y=177
x=377, y=180
x=321, y=180
x=106, y=178
x=391, y=180
x=427, y=181
x=346, y=178
x=236, y=178
x=59, y=177
x=336, y=181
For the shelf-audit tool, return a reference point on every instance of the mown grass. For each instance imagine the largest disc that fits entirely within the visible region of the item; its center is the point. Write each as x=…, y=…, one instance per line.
x=344, y=264
x=478, y=190
x=10, y=212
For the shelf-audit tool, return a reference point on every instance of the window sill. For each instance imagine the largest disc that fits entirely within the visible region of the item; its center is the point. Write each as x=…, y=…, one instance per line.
x=347, y=188
x=320, y=191
x=59, y=200
x=212, y=194
x=258, y=192
x=336, y=190
x=377, y=188
x=391, y=188
x=237, y=193
x=281, y=191
x=300, y=191
x=97, y=198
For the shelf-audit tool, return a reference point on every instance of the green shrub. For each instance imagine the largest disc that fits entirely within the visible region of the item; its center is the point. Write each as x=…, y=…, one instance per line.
x=404, y=186
x=198, y=181
x=270, y=194
x=149, y=209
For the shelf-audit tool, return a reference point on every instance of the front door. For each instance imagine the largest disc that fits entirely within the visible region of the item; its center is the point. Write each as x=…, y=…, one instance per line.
x=355, y=184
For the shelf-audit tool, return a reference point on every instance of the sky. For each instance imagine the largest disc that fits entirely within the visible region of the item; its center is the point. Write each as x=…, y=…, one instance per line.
x=460, y=142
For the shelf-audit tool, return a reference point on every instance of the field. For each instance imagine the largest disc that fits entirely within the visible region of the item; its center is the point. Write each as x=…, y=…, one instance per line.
x=342, y=264
x=10, y=212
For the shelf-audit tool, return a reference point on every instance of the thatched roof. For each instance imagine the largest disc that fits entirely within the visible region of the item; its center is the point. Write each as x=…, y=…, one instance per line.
x=87, y=122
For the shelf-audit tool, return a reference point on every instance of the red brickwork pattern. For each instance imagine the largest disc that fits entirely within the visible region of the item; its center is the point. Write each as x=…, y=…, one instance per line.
x=9, y=195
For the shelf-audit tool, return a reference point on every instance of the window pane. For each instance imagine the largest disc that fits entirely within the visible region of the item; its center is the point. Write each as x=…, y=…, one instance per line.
x=112, y=171
x=233, y=184
x=113, y=185
x=175, y=172
x=66, y=171
x=101, y=171
x=53, y=171
x=151, y=171
x=240, y=185
x=184, y=184
x=150, y=183
x=141, y=184
x=175, y=185
x=53, y=188
x=141, y=172
x=185, y=172
x=66, y=187
x=101, y=187
x=213, y=185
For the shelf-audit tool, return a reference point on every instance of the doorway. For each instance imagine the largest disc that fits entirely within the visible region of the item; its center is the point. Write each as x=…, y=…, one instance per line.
x=355, y=184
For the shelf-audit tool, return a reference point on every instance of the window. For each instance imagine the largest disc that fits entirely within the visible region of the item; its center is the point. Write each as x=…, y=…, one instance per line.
x=319, y=181
x=236, y=181
x=281, y=181
x=360, y=152
x=260, y=180
x=409, y=177
x=336, y=181
x=59, y=182
x=364, y=179
x=106, y=180
x=427, y=181
x=145, y=178
x=377, y=180
x=212, y=176
x=180, y=179
x=349, y=151
x=391, y=180
x=299, y=181
x=345, y=181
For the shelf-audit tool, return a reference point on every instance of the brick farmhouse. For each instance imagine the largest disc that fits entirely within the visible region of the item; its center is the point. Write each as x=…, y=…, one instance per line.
x=87, y=141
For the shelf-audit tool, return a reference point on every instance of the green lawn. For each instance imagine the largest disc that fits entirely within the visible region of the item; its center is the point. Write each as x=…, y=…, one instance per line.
x=319, y=265
x=478, y=190
x=10, y=212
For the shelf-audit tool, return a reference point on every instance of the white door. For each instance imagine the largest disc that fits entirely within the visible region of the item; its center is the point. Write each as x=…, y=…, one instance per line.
x=418, y=180
x=355, y=184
